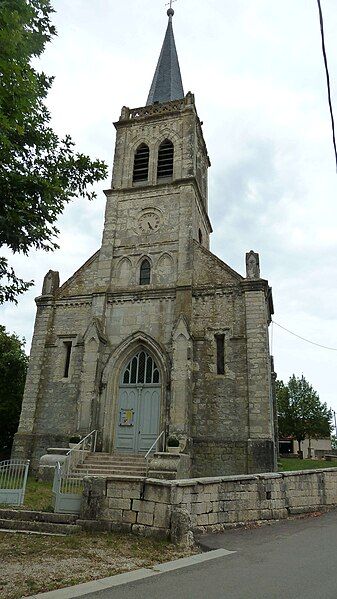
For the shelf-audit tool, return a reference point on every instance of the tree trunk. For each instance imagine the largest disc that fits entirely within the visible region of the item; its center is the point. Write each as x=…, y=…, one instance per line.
x=300, y=452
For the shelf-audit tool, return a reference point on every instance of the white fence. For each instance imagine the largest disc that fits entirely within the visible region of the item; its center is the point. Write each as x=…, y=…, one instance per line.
x=13, y=479
x=67, y=491
x=68, y=480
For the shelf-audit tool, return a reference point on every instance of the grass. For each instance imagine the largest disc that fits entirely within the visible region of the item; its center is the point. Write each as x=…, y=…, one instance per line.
x=289, y=464
x=38, y=496
x=34, y=564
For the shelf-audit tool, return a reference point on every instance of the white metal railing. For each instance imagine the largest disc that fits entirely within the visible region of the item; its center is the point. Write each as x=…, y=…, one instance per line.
x=77, y=454
x=67, y=491
x=68, y=479
x=153, y=446
x=13, y=479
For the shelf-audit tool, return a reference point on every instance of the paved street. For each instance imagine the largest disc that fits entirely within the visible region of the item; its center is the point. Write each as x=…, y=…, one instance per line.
x=286, y=560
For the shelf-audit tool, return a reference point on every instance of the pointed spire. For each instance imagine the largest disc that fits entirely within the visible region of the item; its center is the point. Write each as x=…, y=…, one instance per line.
x=167, y=84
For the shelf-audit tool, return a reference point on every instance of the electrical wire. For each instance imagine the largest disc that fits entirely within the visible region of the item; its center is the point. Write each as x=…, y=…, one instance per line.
x=304, y=339
x=327, y=78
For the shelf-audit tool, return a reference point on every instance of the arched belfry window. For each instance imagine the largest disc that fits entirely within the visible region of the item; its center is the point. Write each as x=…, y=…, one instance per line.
x=165, y=160
x=141, y=164
x=141, y=369
x=145, y=273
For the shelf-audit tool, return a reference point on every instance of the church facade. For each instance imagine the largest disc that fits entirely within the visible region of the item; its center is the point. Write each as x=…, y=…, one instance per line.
x=154, y=332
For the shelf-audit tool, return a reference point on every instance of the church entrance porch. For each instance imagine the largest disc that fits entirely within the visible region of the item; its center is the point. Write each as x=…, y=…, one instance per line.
x=139, y=402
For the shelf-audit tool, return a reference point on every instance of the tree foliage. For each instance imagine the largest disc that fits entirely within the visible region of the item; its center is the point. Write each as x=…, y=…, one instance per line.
x=13, y=369
x=39, y=173
x=300, y=411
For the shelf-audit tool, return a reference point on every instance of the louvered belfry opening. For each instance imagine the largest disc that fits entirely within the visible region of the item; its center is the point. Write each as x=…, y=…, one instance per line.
x=165, y=160
x=141, y=164
x=145, y=273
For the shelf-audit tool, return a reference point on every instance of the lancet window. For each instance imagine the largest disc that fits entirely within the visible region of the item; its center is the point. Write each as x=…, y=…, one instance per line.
x=141, y=164
x=165, y=160
x=145, y=273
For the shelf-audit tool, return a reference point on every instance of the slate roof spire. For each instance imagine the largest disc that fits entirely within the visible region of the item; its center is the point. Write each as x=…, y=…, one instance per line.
x=167, y=83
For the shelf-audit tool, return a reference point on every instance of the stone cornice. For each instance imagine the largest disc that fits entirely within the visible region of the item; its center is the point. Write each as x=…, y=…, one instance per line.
x=120, y=296
x=226, y=289
x=255, y=285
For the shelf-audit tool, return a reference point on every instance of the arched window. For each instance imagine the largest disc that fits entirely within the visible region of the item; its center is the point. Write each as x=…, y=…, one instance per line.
x=141, y=164
x=141, y=369
x=145, y=273
x=165, y=160
x=200, y=236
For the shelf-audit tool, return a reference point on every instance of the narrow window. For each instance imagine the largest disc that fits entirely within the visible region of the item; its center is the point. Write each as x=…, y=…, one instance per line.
x=220, y=354
x=145, y=273
x=165, y=160
x=141, y=164
x=68, y=348
x=200, y=236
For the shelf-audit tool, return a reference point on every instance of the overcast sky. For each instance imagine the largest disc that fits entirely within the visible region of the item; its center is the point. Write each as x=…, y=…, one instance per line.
x=257, y=72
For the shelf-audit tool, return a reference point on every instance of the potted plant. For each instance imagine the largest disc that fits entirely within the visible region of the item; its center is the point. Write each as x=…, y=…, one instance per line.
x=173, y=445
x=74, y=440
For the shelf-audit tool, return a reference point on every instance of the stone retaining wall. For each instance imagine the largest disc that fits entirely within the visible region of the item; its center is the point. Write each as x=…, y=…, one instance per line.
x=177, y=509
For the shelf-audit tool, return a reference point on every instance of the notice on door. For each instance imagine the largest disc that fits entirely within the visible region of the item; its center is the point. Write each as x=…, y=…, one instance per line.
x=126, y=417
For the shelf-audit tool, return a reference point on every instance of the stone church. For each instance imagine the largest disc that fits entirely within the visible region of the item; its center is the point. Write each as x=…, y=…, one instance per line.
x=154, y=332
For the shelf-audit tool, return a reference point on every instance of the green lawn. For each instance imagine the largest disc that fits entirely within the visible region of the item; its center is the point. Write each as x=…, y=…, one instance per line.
x=288, y=464
x=38, y=496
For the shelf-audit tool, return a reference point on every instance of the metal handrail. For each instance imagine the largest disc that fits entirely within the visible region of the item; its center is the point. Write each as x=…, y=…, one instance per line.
x=149, y=451
x=76, y=455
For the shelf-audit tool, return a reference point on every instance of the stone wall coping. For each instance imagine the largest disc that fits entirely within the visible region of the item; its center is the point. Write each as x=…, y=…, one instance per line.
x=117, y=477
x=302, y=472
x=192, y=482
x=270, y=475
x=58, y=450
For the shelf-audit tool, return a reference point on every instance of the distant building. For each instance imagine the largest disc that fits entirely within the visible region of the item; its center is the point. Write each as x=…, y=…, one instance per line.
x=318, y=447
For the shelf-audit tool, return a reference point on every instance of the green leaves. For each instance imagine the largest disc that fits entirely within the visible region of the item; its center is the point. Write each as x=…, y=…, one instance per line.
x=13, y=369
x=300, y=411
x=39, y=173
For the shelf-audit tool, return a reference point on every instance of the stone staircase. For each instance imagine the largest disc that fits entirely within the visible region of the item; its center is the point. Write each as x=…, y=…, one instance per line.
x=106, y=464
x=30, y=522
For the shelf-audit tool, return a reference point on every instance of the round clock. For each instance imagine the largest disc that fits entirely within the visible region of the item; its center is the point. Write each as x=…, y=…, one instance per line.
x=149, y=222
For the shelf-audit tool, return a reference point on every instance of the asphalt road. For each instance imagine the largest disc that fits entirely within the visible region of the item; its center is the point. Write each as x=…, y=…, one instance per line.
x=294, y=559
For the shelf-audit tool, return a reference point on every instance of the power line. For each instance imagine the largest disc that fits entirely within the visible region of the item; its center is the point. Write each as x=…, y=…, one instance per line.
x=304, y=339
x=327, y=78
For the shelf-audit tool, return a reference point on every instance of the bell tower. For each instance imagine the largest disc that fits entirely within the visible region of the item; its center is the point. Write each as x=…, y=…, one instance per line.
x=158, y=197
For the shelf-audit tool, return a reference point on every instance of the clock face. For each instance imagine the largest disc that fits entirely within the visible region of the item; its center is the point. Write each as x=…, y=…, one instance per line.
x=149, y=222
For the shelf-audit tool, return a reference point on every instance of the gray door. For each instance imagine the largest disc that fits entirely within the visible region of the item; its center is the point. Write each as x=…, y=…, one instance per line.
x=138, y=405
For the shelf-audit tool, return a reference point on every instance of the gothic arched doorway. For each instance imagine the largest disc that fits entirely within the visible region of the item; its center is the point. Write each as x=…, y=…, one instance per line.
x=139, y=402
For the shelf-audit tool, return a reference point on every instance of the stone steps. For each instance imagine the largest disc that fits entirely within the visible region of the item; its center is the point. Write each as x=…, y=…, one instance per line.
x=26, y=515
x=105, y=464
x=98, y=472
x=25, y=521
x=109, y=472
x=106, y=457
x=139, y=466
